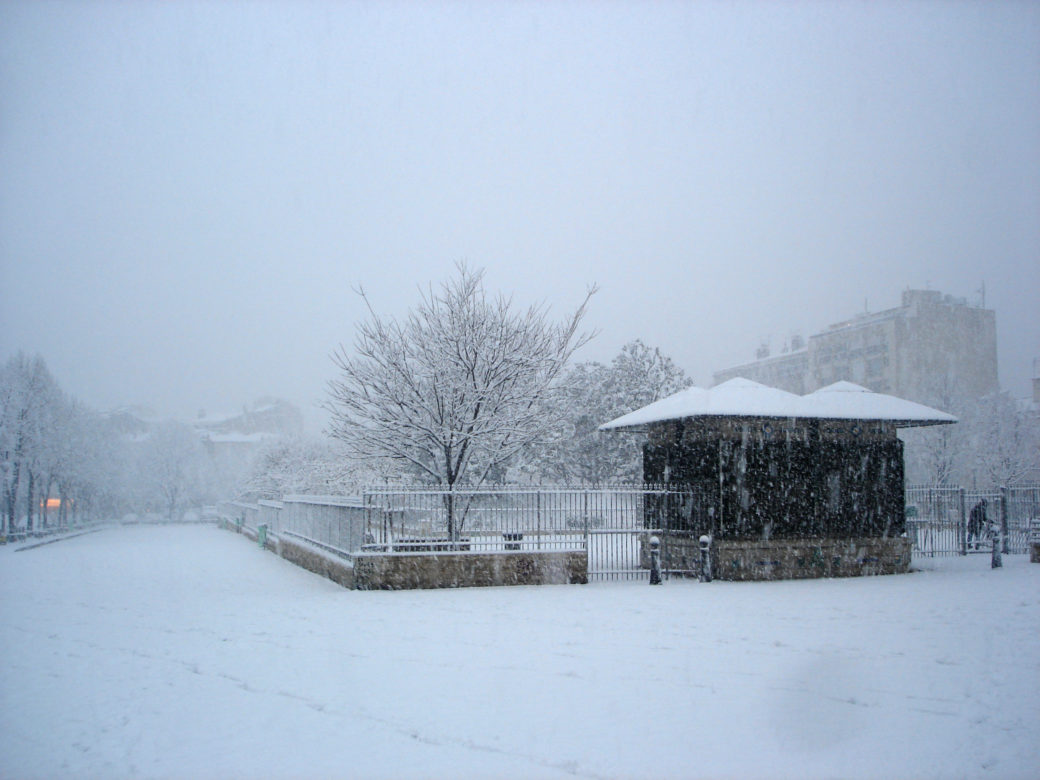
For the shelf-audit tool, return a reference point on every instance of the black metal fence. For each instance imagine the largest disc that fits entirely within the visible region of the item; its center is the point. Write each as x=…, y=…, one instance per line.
x=939, y=520
x=613, y=523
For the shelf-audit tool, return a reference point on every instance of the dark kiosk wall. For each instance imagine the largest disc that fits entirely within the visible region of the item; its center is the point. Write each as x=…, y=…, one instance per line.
x=768, y=478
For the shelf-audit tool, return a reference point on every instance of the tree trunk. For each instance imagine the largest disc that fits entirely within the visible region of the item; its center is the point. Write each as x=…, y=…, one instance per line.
x=11, y=496
x=29, y=513
x=6, y=522
x=63, y=508
x=449, y=507
x=45, y=495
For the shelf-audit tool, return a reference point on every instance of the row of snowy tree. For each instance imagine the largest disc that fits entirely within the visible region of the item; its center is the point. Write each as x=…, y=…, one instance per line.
x=50, y=445
x=61, y=460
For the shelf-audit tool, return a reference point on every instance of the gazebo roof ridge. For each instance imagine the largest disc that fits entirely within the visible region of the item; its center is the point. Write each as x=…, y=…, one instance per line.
x=848, y=401
x=740, y=397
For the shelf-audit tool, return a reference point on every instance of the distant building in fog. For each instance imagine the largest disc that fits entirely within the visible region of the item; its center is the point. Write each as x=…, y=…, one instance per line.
x=234, y=440
x=231, y=440
x=268, y=416
x=930, y=347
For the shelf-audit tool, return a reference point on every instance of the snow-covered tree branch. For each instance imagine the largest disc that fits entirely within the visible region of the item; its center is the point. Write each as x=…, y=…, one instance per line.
x=592, y=393
x=456, y=389
x=300, y=464
x=1006, y=439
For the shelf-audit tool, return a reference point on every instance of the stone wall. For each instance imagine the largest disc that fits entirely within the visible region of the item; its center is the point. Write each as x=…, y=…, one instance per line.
x=680, y=552
x=402, y=571
x=784, y=559
x=781, y=559
x=317, y=561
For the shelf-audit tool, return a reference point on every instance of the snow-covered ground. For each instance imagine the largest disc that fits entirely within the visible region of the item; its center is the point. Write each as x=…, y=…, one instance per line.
x=188, y=652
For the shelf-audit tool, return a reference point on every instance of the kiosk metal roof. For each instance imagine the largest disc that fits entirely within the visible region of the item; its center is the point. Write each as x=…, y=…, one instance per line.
x=740, y=397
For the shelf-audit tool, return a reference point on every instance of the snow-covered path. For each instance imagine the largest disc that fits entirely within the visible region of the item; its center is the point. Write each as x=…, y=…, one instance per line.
x=189, y=652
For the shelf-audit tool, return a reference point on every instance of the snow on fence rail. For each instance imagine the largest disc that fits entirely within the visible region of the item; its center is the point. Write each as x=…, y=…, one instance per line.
x=269, y=514
x=336, y=523
x=498, y=518
x=242, y=513
x=494, y=518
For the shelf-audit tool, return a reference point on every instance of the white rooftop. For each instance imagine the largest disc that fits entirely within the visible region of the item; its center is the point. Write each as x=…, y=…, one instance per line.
x=743, y=398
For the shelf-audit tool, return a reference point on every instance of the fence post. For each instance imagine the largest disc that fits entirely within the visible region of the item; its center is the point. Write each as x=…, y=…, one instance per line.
x=453, y=521
x=538, y=515
x=1004, y=495
x=368, y=517
x=585, y=511
x=964, y=521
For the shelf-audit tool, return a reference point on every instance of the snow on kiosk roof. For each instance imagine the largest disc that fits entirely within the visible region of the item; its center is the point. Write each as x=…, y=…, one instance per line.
x=744, y=398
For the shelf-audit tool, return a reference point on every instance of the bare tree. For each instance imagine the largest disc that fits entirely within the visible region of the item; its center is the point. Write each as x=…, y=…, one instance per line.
x=301, y=464
x=90, y=465
x=455, y=389
x=173, y=466
x=592, y=394
x=937, y=455
x=1005, y=439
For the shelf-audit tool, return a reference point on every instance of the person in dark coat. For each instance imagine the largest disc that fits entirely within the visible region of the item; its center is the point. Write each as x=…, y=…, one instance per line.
x=978, y=525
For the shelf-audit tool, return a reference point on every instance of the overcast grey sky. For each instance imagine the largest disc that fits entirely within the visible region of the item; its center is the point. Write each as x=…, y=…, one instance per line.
x=189, y=191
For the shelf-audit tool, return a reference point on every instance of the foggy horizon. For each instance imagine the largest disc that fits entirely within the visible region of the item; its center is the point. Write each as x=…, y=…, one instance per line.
x=193, y=191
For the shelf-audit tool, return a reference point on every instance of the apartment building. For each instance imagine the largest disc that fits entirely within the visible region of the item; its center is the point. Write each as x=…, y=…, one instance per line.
x=929, y=348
